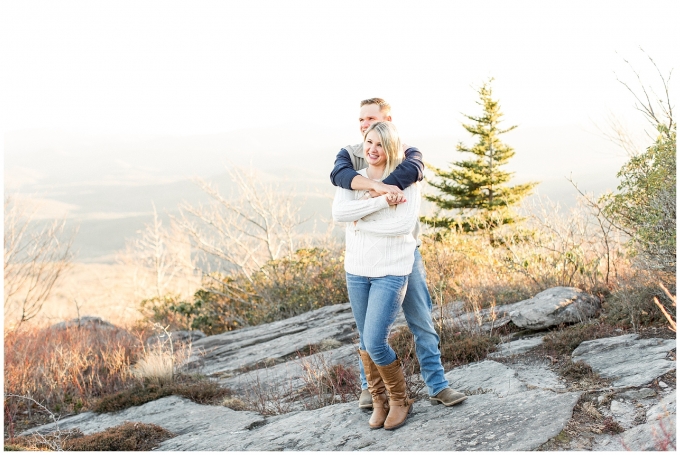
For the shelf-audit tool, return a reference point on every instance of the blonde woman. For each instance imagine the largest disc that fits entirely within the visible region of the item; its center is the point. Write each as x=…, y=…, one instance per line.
x=378, y=260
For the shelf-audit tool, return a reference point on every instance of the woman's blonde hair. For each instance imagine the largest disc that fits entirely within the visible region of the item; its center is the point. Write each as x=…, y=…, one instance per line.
x=391, y=144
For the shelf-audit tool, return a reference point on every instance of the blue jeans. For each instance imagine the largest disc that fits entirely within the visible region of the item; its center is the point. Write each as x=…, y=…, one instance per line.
x=417, y=306
x=375, y=304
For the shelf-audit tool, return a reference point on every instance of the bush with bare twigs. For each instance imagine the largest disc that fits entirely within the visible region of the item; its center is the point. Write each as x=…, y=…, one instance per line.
x=550, y=248
x=328, y=383
x=35, y=257
x=282, y=288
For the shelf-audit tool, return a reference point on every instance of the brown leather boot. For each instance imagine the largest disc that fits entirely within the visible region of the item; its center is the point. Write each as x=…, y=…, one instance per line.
x=377, y=388
x=400, y=404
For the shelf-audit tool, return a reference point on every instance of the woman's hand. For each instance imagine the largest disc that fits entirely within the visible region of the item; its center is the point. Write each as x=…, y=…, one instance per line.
x=395, y=198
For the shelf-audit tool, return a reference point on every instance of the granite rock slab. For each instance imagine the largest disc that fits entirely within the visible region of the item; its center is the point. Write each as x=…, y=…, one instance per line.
x=554, y=306
x=173, y=413
x=650, y=436
x=482, y=422
x=627, y=360
x=515, y=347
x=662, y=409
x=227, y=354
x=493, y=420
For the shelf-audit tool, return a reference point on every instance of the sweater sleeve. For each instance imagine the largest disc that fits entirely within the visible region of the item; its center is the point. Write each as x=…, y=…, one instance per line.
x=348, y=209
x=343, y=172
x=403, y=220
x=408, y=172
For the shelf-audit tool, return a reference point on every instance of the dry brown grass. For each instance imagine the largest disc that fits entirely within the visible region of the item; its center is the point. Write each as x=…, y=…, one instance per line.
x=550, y=248
x=198, y=390
x=130, y=436
x=65, y=370
x=457, y=346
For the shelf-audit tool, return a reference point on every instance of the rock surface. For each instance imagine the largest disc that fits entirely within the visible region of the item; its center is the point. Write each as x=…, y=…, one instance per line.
x=516, y=347
x=178, y=337
x=656, y=435
x=519, y=404
x=501, y=418
x=663, y=409
x=228, y=354
x=287, y=374
x=552, y=307
x=89, y=322
x=626, y=359
x=555, y=306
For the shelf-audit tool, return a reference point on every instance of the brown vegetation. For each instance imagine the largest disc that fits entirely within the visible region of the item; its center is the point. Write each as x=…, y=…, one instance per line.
x=564, y=340
x=130, y=436
x=66, y=370
x=457, y=346
x=199, y=390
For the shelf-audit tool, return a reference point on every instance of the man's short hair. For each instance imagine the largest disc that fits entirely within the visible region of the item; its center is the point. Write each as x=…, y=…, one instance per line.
x=385, y=108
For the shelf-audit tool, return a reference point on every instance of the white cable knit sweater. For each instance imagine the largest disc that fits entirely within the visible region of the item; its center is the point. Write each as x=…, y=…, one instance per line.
x=381, y=242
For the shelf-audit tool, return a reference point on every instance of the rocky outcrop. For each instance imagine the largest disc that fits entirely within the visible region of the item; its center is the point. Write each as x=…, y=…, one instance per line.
x=496, y=418
x=86, y=322
x=626, y=359
x=552, y=307
x=516, y=347
x=658, y=435
x=178, y=338
x=555, y=306
x=231, y=353
x=519, y=404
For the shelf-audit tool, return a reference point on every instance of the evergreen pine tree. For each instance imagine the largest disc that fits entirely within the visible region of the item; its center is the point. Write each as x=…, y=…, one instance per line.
x=476, y=188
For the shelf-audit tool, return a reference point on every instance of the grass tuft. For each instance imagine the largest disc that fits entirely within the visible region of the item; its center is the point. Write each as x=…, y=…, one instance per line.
x=457, y=346
x=577, y=371
x=201, y=391
x=565, y=339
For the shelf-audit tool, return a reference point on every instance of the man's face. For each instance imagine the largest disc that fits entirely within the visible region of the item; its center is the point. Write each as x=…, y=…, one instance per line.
x=370, y=114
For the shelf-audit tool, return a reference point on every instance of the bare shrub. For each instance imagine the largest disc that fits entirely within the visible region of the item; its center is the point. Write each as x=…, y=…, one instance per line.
x=266, y=400
x=550, y=248
x=328, y=383
x=631, y=304
x=159, y=263
x=671, y=318
x=35, y=258
x=468, y=268
x=282, y=288
x=664, y=438
x=254, y=224
x=574, y=250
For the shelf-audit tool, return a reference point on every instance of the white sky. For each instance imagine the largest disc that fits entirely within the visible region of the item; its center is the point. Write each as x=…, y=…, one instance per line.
x=197, y=67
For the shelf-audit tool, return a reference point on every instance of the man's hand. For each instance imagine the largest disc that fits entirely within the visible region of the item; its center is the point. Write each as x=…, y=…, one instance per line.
x=380, y=188
x=374, y=188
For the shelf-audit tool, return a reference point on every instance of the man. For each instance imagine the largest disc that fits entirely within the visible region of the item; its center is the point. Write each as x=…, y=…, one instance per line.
x=417, y=304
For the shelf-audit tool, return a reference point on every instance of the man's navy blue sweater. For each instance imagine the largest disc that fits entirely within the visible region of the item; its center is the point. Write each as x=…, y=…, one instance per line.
x=408, y=172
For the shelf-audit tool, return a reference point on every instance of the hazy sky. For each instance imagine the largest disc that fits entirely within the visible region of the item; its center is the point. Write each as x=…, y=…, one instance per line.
x=194, y=67
x=95, y=94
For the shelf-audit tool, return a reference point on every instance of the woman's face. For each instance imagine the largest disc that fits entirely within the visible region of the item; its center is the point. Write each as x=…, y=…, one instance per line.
x=373, y=150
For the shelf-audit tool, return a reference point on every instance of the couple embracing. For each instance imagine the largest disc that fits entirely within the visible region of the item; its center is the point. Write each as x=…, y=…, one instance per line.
x=378, y=196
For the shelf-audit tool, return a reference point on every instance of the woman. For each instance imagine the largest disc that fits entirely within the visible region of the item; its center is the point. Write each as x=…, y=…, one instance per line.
x=378, y=259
